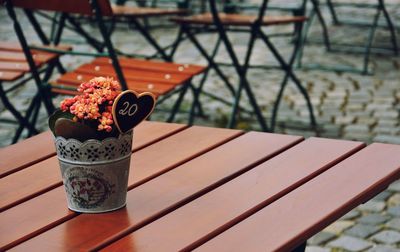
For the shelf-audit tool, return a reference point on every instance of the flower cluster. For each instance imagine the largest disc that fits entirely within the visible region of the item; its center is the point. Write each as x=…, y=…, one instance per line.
x=95, y=102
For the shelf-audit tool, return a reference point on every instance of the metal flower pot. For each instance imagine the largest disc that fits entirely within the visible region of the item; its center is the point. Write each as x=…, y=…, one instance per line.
x=95, y=173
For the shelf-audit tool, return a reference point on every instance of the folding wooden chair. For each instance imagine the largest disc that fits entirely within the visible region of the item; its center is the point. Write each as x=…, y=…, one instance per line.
x=380, y=10
x=136, y=17
x=15, y=71
x=161, y=78
x=253, y=24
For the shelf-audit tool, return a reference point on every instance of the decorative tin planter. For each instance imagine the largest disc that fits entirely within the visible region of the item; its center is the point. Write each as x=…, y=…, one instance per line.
x=95, y=173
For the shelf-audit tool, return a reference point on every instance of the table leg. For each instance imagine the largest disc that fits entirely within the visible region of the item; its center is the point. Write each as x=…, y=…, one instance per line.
x=300, y=248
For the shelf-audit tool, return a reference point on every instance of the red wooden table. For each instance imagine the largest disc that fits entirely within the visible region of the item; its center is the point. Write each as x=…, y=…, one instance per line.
x=198, y=188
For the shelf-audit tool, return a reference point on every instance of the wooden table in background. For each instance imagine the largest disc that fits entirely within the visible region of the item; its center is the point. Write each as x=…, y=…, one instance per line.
x=198, y=188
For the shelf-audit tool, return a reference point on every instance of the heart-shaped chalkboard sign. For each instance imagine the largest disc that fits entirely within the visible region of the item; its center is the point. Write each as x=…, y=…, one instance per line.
x=130, y=108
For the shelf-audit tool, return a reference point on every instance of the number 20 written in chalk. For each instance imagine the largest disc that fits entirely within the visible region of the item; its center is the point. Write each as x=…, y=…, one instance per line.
x=128, y=109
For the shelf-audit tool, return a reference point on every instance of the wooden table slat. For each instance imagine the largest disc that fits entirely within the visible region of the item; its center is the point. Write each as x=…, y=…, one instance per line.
x=144, y=160
x=196, y=188
x=142, y=12
x=148, y=132
x=176, y=150
x=16, y=47
x=153, y=65
x=15, y=66
x=10, y=75
x=73, y=80
x=45, y=175
x=304, y=210
x=161, y=194
x=135, y=75
x=38, y=56
x=31, y=151
x=32, y=217
x=238, y=198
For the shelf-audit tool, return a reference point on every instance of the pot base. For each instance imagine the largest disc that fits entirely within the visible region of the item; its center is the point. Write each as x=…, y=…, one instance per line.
x=96, y=211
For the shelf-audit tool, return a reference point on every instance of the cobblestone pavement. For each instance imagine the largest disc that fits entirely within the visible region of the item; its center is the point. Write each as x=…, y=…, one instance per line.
x=347, y=106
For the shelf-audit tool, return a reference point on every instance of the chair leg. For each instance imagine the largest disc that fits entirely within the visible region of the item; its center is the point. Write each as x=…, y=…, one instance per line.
x=32, y=65
x=255, y=106
x=150, y=39
x=55, y=33
x=78, y=29
x=236, y=93
x=235, y=107
x=289, y=71
x=210, y=60
x=324, y=27
x=391, y=27
x=370, y=39
x=333, y=12
x=54, y=26
x=303, y=39
x=195, y=104
x=35, y=115
x=178, y=102
x=242, y=71
x=198, y=91
x=297, y=49
x=196, y=98
x=315, y=11
x=33, y=109
x=256, y=109
x=108, y=44
x=46, y=89
x=176, y=43
x=23, y=121
x=277, y=102
x=36, y=26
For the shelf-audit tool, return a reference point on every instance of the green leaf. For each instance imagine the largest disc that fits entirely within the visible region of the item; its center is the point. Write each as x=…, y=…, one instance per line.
x=56, y=115
x=70, y=129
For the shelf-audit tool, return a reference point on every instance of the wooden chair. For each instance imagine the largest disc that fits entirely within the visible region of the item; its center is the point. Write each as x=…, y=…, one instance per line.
x=15, y=71
x=137, y=18
x=161, y=78
x=218, y=21
x=380, y=8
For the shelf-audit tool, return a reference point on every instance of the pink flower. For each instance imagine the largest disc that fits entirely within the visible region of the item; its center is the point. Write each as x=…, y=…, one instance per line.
x=106, y=121
x=95, y=102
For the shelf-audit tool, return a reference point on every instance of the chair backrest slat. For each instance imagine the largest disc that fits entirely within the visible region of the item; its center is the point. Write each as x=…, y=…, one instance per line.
x=67, y=6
